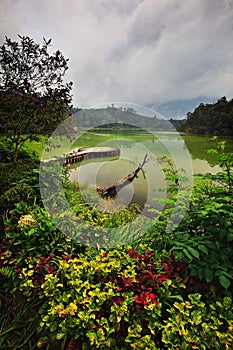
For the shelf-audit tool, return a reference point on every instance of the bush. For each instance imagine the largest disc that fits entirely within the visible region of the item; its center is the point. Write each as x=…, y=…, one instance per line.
x=115, y=299
x=16, y=194
x=204, y=236
x=11, y=173
x=31, y=234
x=120, y=299
x=195, y=325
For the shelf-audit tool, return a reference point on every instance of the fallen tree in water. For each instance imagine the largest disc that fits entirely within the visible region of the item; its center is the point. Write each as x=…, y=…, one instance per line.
x=111, y=190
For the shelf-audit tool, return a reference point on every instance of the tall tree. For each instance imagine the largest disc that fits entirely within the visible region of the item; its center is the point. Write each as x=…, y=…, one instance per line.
x=211, y=119
x=33, y=97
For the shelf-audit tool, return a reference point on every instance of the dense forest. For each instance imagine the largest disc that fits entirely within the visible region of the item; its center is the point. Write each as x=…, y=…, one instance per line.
x=210, y=119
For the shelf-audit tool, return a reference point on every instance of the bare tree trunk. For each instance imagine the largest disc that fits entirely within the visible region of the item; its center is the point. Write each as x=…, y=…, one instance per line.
x=111, y=191
x=16, y=153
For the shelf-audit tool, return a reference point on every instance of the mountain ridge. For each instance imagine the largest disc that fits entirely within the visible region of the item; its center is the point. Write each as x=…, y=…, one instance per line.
x=178, y=109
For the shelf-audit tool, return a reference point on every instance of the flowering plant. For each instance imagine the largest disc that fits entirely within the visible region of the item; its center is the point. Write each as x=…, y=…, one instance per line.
x=103, y=301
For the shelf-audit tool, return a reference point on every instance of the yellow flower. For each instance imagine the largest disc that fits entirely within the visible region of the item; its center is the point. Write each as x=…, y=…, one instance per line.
x=26, y=220
x=72, y=309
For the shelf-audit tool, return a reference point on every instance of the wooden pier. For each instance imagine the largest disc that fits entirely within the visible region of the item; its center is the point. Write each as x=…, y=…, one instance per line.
x=80, y=154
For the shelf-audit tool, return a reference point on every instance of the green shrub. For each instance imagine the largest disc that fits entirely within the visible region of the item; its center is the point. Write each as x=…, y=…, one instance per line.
x=7, y=153
x=114, y=299
x=31, y=234
x=16, y=194
x=203, y=238
x=11, y=173
x=194, y=324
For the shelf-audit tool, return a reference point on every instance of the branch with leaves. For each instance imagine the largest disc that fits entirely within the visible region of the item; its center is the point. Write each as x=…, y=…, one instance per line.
x=33, y=97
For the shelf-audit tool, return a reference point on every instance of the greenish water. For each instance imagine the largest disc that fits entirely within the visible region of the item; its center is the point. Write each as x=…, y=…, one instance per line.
x=187, y=152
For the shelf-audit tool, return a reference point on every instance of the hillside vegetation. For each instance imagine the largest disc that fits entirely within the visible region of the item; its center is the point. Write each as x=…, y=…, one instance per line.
x=113, y=117
x=211, y=119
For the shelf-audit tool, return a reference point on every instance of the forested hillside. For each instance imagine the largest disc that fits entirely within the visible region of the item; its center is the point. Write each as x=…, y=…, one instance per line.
x=211, y=119
x=113, y=117
x=207, y=119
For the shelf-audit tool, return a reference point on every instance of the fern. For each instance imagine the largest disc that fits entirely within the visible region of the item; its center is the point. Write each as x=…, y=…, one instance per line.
x=7, y=271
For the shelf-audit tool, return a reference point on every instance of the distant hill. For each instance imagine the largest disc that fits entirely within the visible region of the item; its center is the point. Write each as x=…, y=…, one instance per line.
x=178, y=109
x=112, y=117
x=168, y=115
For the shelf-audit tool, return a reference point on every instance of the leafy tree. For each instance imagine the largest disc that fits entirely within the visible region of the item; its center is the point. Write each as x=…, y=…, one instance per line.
x=211, y=119
x=33, y=97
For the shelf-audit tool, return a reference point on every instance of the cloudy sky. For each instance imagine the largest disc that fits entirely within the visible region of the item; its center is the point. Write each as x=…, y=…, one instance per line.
x=139, y=51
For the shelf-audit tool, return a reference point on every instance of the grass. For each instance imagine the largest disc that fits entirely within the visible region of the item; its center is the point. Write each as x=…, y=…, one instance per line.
x=88, y=138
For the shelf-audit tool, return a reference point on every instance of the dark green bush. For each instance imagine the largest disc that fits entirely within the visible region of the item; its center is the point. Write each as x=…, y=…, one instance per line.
x=16, y=194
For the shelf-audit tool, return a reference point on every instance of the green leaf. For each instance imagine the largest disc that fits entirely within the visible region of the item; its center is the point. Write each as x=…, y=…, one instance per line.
x=224, y=282
x=187, y=254
x=60, y=336
x=203, y=248
x=194, y=252
x=230, y=237
x=208, y=275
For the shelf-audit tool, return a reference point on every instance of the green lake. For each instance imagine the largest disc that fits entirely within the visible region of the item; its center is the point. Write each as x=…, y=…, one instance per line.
x=187, y=152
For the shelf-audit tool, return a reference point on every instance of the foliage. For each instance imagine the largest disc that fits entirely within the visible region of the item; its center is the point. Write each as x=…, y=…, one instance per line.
x=106, y=300
x=16, y=194
x=225, y=161
x=22, y=172
x=211, y=119
x=31, y=233
x=95, y=210
x=170, y=289
x=18, y=321
x=33, y=98
x=204, y=236
x=88, y=219
x=19, y=182
x=192, y=324
x=118, y=118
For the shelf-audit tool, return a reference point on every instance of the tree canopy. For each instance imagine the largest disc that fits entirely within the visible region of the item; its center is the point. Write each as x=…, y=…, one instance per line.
x=33, y=96
x=211, y=119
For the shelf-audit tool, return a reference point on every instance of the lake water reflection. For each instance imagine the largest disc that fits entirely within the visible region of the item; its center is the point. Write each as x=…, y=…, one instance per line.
x=186, y=152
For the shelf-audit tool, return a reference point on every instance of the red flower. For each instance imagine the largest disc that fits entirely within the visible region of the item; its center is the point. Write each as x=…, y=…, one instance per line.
x=162, y=278
x=51, y=269
x=117, y=300
x=133, y=253
x=126, y=281
x=66, y=257
x=119, y=289
x=142, y=298
x=19, y=270
x=139, y=299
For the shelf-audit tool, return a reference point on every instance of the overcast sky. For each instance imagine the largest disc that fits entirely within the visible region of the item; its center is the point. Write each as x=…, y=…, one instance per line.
x=139, y=51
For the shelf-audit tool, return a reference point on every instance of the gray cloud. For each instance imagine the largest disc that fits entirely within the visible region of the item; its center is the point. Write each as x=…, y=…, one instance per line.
x=141, y=51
